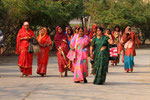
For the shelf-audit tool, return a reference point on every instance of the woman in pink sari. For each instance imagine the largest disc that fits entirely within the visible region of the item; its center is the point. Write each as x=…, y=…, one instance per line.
x=25, y=58
x=62, y=50
x=45, y=43
x=78, y=54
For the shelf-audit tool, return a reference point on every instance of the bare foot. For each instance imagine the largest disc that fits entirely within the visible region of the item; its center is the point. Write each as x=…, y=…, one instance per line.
x=21, y=75
x=60, y=75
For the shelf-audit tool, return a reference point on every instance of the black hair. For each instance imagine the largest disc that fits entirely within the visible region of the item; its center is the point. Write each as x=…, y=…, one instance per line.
x=117, y=26
x=70, y=28
x=109, y=30
x=62, y=27
x=100, y=28
x=80, y=28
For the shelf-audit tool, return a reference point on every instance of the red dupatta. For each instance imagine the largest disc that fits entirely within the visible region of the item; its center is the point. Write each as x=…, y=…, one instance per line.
x=44, y=39
x=24, y=43
x=58, y=39
x=62, y=50
x=91, y=34
x=42, y=57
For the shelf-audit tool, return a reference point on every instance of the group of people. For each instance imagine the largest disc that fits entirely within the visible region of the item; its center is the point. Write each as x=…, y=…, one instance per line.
x=26, y=58
x=77, y=50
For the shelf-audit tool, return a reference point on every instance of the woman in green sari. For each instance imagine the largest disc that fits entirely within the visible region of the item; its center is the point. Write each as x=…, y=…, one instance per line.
x=100, y=46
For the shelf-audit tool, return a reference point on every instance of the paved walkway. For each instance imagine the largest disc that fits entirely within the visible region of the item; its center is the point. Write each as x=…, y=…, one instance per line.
x=119, y=85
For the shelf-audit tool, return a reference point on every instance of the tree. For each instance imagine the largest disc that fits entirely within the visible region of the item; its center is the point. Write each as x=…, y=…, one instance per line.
x=121, y=12
x=39, y=13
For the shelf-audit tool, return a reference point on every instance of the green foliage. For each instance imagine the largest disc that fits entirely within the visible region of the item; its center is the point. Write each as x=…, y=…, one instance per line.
x=121, y=12
x=39, y=13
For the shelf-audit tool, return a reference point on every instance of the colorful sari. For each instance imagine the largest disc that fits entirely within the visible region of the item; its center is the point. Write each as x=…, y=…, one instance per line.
x=129, y=39
x=80, y=57
x=42, y=57
x=101, y=58
x=25, y=58
x=117, y=39
x=69, y=37
x=62, y=50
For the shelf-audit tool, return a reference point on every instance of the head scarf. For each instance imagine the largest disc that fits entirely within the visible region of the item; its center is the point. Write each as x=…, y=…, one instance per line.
x=127, y=29
x=91, y=34
x=45, y=38
x=25, y=33
x=24, y=30
x=42, y=36
x=59, y=37
x=77, y=26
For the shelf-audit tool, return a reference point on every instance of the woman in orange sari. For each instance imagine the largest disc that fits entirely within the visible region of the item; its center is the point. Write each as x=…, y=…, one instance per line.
x=62, y=50
x=45, y=43
x=25, y=58
x=129, y=40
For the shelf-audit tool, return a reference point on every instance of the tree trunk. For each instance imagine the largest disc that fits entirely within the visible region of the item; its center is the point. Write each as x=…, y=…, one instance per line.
x=82, y=21
x=89, y=21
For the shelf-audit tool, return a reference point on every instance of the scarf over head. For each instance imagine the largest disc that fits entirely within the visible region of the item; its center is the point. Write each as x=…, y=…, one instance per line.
x=59, y=37
x=23, y=33
x=91, y=34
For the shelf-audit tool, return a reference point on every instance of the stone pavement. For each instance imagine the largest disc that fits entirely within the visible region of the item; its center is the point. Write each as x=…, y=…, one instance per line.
x=119, y=85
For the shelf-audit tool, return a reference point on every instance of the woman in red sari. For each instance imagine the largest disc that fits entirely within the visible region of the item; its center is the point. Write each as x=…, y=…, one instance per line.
x=25, y=58
x=91, y=64
x=45, y=43
x=93, y=32
x=62, y=50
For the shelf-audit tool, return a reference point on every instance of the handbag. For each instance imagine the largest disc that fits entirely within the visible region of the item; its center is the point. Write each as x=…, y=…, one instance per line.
x=34, y=46
x=30, y=48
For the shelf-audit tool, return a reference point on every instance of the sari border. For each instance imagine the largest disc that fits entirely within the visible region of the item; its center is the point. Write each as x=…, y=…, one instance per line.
x=24, y=66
